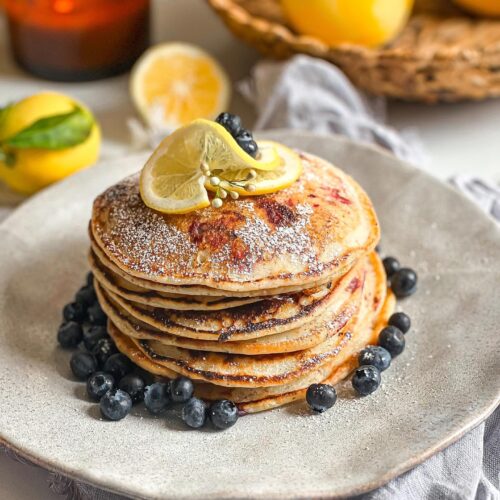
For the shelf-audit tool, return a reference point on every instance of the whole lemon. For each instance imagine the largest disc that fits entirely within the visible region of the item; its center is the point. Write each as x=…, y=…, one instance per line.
x=33, y=168
x=482, y=7
x=362, y=22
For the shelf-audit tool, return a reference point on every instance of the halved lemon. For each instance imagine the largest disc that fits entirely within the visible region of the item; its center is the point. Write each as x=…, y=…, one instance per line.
x=174, y=83
x=173, y=182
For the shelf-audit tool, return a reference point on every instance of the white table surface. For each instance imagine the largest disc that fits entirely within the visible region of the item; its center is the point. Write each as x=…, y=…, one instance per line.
x=460, y=138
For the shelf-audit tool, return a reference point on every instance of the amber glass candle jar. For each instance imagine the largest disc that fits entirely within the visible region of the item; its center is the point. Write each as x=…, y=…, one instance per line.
x=77, y=40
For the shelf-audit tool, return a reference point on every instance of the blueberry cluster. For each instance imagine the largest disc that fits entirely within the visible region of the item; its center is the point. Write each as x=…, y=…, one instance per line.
x=115, y=382
x=403, y=280
x=242, y=136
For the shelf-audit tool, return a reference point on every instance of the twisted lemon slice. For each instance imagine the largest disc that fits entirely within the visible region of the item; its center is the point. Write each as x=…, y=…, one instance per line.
x=176, y=177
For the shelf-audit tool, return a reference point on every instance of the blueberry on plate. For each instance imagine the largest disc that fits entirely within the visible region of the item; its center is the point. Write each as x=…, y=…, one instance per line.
x=89, y=279
x=133, y=385
x=194, y=413
x=232, y=123
x=103, y=349
x=391, y=265
x=321, y=397
x=246, y=142
x=181, y=389
x=366, y=379
x=392, y=339
x=92, y=335
x=74, y=311
x=376, y=356
x=98, y=384
x=401, y=321
x=82, y=365
x=118, y=365
x=96, y=315
x=86, y=296
x=115, y=404
x=157, y=397
x=404, y=282
x=70, y=334
x=223, y=414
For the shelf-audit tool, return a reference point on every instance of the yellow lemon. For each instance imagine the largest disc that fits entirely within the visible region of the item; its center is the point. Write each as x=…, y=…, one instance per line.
x=35, y=168
x=175, y=83
x=364, y=22
x=482, y=7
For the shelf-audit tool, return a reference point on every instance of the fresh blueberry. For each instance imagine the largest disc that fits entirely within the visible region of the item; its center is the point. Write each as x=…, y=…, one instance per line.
x=74, y=311
x=86, y=296
x=181, y=389
x=376, y=356
x=89, y=279
x=366, y=379
x=115, y=404
x=103, y=349
x=246, y=142
x=223, y=413
x=70, y=334
x=232, y=123
x=96, y=315
x=401, y=321
x=194, y=413
x=404, y=282
x=157, y=397
x=392, y=339
x=391, y=265
x=118, y=365
x=98, y=384
x=321, y=397
x=82, y=365
x=92, y=335
x=133, y=385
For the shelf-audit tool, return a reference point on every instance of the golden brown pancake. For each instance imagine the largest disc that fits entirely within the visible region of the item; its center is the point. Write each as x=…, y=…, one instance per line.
x=313, y=231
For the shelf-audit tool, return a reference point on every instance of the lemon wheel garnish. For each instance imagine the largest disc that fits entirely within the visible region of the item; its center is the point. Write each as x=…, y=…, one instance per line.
x=173, y=84
x=188, y=162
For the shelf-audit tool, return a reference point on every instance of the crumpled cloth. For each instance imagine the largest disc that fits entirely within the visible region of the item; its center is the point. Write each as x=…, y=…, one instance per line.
x=311, y=94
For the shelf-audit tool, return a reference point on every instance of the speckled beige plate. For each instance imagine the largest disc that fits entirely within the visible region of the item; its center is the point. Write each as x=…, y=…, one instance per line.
x=444, y=384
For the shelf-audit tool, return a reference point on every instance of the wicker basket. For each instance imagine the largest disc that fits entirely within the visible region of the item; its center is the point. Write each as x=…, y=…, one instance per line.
x=442, y=55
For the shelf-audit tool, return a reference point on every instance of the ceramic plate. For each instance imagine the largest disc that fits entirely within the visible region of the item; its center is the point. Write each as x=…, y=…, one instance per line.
x=444, y=384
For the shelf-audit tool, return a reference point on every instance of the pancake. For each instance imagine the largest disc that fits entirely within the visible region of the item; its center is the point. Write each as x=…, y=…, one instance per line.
x=313, y=231
x=267, y=317
x=233, y=370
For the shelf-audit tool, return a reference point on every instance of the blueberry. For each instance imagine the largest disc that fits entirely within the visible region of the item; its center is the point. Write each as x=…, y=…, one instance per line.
x=321, y=397
x=82, y=365
x=223, y=413
x=375, y=355
x=232, y=123
x=366, y=379
x=115, y=404
x=194, y=413
x=86, y=296
x=404, y=282
x=96, y=315
x=118, y=365
x=181, y=389
x=103, y=349
x=246, y=142
x=401, y=321
x=92, y=335
x=391, y=265
x=133, y=385
x=157, y=397
x=69, y=334
x=75, y=311
x=98, y=384
x=392, y=339
x=89, y=279
x=378, y=249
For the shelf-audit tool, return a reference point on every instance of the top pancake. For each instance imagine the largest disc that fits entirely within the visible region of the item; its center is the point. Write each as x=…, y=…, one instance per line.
x=312, y=231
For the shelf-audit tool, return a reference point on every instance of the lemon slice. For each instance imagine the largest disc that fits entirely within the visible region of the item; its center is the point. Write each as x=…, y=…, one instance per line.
x=266, y=181
x=174, y=83
x=172, y=181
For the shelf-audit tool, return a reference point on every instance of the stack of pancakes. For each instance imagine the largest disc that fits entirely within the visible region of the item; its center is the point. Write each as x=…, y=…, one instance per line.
x=253, y=301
